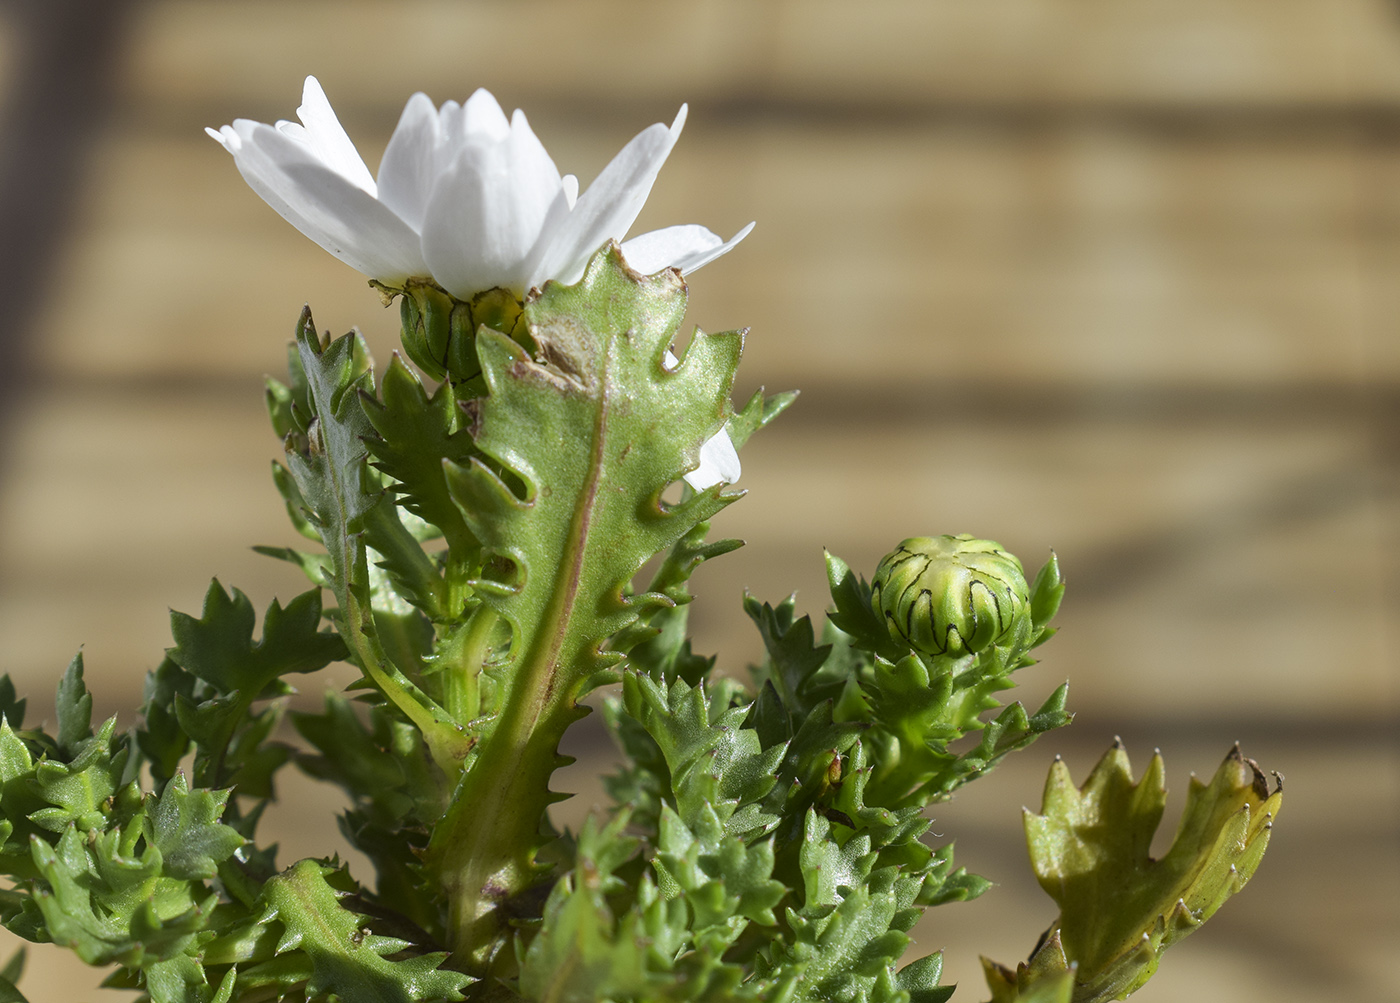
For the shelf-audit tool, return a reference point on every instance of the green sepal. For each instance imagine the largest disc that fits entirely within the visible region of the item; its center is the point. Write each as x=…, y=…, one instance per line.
x=1047, y=592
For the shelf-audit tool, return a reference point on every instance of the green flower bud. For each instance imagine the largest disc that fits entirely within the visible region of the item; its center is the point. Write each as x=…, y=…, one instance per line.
x=439, y=331
x=951, y=595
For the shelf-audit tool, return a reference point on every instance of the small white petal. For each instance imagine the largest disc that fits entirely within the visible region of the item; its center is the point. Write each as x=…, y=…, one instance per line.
x=328, y=138
x=450, y=121
x=610, y=205
x=684, y=247
x=324, y=205
x=410, y=166
x=719, y=463
x=483, y=120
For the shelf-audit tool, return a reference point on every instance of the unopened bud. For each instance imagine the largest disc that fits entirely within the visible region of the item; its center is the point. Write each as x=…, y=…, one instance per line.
x=951, y=595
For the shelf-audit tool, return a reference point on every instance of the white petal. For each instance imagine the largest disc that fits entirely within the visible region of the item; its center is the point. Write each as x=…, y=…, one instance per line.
x=556, y=216
x=321, y=203
x=477, y=232
x=533, y=176
x=719, y=463
x=450, y=121
x=328, y=137
x=610, y=205
x=482, y=118
x=224, y=135
x=684, y=247
x=410, y=165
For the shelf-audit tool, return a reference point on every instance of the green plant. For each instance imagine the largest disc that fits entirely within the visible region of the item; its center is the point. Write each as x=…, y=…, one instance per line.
x=483, y=538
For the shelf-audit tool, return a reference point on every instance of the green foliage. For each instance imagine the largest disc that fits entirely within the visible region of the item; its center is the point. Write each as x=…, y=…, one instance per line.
x=579, y=433
x=1045, y=978
x=343, y=957
x=919, y=703
x=1120, y=908
x=14, y=968
x=485, y=541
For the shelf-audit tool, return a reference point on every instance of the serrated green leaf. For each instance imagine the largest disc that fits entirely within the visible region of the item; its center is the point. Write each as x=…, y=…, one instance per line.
x=219, y=647
x=10, y=975
x=1046, y=978
x=346, y=959
x=181, y=979
x=347, y=504
x=715, y=765
x=416, y=432
x=161, y=739
x=74, y=708
x=78, y=791
x=185, y=827
x=109, y=905
x=11, y=705
x=795, y=662
x=757, y=413
x=1119, y=908
x=576, y=447
x=920, y=980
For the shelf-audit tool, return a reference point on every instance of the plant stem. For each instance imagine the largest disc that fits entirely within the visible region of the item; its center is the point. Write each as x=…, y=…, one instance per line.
x=464, y=657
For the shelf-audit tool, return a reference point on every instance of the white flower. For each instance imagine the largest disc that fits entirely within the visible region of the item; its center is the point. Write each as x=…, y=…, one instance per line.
x=471, y=199
x=464, y=195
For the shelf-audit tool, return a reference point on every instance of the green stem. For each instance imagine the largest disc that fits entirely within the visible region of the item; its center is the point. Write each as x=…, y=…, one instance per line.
x=447, y=744
x=464, y=657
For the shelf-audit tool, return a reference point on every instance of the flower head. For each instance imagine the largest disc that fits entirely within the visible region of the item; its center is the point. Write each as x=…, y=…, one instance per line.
x=464, y=196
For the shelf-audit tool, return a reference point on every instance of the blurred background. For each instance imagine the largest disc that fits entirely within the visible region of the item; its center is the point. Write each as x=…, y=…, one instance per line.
x=1116, y=277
